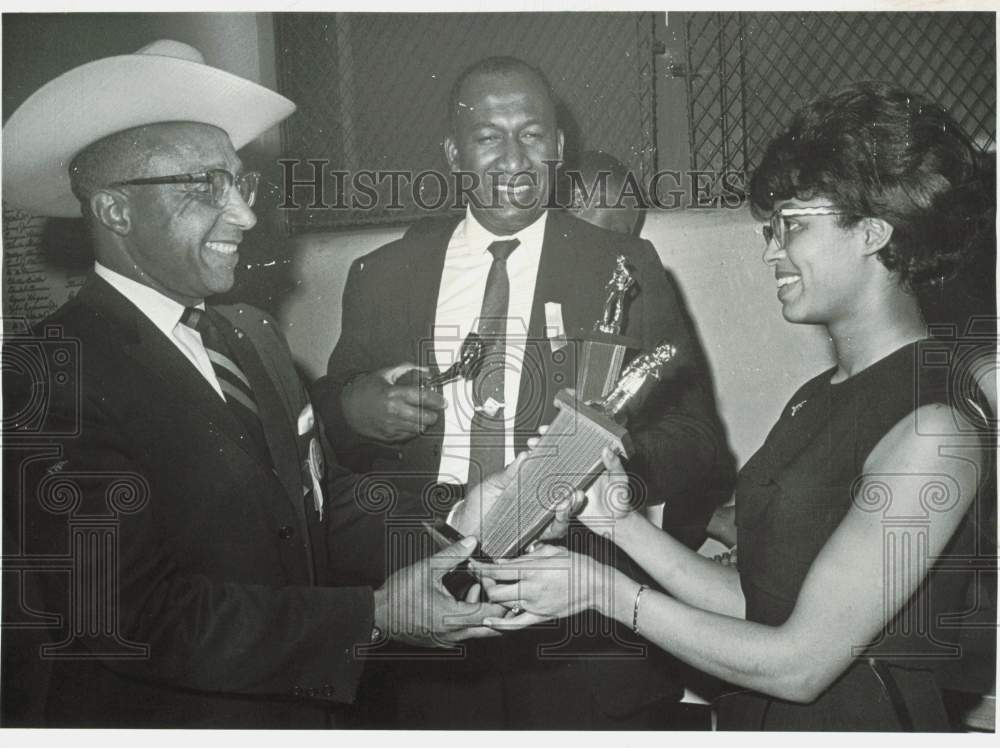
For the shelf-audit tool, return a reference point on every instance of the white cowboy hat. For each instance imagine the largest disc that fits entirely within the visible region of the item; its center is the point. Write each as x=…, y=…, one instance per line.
x=165, y=81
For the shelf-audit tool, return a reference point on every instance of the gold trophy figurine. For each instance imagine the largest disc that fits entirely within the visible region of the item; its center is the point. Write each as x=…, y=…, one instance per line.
x=636, y=381
x=619, y=285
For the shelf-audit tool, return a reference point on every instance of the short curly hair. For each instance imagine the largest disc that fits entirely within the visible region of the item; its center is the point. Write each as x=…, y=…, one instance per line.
x=876, y=150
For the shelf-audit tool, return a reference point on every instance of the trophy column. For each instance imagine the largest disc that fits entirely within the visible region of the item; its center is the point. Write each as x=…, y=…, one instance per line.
x=603, y=348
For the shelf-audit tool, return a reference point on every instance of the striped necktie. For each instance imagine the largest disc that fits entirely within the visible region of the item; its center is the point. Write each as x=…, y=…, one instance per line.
x=488, y=437
x=233, y=382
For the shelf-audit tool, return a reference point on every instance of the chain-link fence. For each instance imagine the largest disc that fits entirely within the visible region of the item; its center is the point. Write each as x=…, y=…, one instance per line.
x=748, y=72
x=372, y=93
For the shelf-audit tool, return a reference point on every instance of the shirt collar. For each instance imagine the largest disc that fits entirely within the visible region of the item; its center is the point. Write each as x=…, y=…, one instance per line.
x=480, y=238
x=162, y=311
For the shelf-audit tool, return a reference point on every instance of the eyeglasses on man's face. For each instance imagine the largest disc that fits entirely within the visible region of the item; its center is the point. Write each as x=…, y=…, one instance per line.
x=777, y=228
x=219, y=182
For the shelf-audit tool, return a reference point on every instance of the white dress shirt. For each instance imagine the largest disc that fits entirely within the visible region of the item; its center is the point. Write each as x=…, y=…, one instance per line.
x=460, y=300
x=165, y=314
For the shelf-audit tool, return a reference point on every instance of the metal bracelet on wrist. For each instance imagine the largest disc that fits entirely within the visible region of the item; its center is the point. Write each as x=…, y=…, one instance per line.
x=635, y=608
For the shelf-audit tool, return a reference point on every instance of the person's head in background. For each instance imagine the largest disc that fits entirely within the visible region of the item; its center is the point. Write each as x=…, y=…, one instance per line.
x=602, y=194
x=870, y=159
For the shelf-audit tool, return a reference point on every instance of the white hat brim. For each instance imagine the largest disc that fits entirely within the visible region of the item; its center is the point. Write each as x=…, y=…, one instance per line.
x=106, y=96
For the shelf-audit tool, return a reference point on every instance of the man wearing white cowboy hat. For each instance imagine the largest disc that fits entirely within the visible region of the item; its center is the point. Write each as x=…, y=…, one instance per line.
x=189, y=450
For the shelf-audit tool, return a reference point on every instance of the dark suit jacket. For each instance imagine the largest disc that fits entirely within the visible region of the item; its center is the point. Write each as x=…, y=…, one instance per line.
x=388, y=314
x=210, y=609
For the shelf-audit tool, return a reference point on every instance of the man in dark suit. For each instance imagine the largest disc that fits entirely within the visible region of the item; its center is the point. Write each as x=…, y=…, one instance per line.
x=413, y=301
x=172, y=485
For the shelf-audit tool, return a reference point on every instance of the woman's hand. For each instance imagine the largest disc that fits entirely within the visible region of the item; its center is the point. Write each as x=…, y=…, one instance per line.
x=722, y=525
x=550, y=582
x=609, y=498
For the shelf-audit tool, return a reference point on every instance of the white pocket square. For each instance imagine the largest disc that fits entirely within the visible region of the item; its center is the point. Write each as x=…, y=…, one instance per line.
x=554, y=330
x=306, y=420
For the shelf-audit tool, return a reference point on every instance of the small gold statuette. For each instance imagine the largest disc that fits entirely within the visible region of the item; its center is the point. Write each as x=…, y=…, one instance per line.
x=636, y=379
x=614, y=306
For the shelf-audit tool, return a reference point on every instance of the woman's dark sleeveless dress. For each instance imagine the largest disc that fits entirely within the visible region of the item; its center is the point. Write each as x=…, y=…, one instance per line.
x=792, y=495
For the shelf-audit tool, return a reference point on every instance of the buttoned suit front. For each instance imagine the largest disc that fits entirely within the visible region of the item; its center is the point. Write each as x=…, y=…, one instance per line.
x=214, y=602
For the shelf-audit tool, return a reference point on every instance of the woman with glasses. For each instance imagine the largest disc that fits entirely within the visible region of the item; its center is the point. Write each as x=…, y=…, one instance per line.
x=871, y=495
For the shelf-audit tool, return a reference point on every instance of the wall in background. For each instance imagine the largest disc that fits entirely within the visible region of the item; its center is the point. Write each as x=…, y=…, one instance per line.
x=673, y=148
x=749, y=72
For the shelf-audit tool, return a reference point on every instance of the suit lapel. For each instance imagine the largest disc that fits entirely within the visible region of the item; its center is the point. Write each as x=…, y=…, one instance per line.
x=279, y=431
x=550, y=285
x=424, y=281
x=558, y=254
x=148, y=348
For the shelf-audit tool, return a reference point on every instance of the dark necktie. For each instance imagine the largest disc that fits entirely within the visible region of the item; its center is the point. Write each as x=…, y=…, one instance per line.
x=488, y=436
x=233, y=382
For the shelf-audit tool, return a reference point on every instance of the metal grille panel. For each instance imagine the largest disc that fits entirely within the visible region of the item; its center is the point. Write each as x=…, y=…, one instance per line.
x=372, y=89
x=748, y=72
